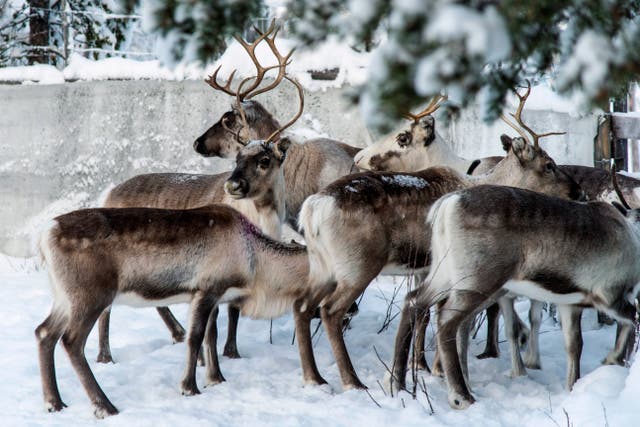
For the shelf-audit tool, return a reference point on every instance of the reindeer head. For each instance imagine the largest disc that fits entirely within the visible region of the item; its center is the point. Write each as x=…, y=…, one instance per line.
x=247, y=120
x=406, y=151
x=258, y=164
x=528, y=166
x=258, y=169
x=223, y=139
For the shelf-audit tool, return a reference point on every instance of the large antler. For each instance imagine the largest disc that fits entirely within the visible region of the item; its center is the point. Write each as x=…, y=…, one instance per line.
x=298, y=114
x=518, y=116
x=283, y=60
x=434, y=104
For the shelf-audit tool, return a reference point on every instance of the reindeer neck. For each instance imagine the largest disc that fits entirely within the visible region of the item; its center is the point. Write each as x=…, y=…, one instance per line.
x=440, y=154
x=499, y=175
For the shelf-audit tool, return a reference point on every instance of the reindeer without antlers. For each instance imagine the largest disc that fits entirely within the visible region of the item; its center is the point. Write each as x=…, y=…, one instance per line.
x=368, y=223
x=308, y=168
x=419, y=147
x=487, y=240
x=145, y=256
x=255, y=188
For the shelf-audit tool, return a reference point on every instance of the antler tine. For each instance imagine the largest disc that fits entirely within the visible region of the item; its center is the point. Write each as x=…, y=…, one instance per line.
x=283, y=61
x=516, y=128
x=212, y=81
x=518, y=116
x=432, y=107
x=616, y=187
x=298, y=114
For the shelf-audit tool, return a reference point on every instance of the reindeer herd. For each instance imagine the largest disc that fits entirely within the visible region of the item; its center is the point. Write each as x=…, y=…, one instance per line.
x=475, y=234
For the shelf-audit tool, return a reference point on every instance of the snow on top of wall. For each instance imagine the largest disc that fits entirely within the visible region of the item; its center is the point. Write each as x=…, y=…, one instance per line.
x=332, y=54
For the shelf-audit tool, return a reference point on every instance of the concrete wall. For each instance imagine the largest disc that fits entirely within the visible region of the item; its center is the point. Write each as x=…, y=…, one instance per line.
x=61, y=146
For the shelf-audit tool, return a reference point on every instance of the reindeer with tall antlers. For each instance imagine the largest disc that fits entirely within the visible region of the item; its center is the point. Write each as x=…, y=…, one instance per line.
x=255, y=188
x=309, y=166
x=419, y=147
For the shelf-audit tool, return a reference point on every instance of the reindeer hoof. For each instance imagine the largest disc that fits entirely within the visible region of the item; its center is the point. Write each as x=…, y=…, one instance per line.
x=231, y=352
x=104, y=410
x=489, y=354
x=532, y=365
x=458, y=401
x=216, y=379
x=612, y=360
x=178, y=337
x=55, y=406
x=104, y=358
x=354, y=385
x=189, y=389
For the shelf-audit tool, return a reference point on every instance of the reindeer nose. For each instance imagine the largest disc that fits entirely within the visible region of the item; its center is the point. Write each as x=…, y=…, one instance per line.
x=236, y=188
x=198, y=144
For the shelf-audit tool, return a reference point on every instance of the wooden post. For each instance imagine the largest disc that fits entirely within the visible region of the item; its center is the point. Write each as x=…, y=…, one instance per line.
x=39, y=32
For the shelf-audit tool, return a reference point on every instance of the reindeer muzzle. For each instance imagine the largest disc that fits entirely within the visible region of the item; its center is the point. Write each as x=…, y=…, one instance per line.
x=237, y=189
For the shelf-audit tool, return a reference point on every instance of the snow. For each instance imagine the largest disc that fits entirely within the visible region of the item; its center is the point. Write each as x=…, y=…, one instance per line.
x=328, y=55
x=265, y=386
x=406, y=181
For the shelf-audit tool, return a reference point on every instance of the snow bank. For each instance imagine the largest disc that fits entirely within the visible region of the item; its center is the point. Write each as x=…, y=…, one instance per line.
x=329, y=55
x=265, y=386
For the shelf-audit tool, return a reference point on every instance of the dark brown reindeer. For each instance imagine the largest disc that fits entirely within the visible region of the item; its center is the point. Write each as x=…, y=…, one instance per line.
x=308, y=168
x=255, y=187
x=368, y=223
x=154, y=257
x=488, y=239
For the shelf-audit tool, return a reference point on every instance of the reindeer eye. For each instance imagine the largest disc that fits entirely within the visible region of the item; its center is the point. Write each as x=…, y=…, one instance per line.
x=404, y=139
x=264, y=162
x=549, y=167
x=229, y=119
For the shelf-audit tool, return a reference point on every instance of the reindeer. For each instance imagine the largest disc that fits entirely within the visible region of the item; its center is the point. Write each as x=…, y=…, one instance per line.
x=255, y=188
x=154, y=257
x=419, y=147
x=309, y=167
x=489, y=239
x=368, y=223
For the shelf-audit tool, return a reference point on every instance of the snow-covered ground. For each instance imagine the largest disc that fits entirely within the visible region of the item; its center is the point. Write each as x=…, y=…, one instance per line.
x=265, y=387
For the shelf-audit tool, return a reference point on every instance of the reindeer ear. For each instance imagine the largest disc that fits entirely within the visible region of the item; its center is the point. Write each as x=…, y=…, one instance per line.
x=428, y=123
x=281, y=146
x=506, y=142
x=521, y=149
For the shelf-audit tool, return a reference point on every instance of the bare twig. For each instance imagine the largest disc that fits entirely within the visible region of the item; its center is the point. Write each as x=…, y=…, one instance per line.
x=374, y=401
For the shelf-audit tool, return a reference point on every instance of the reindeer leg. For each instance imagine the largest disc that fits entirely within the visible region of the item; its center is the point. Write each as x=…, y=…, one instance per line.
x=570, y=317
x=47, y=335
x=176, y=329
x=462, y=342
x=201, y=307
x=332, y=314
x=310, y=373
x=451, y=313
x=420, y=331
x=623, y=347
x=532, y=356
x=509, y=315
x=104, y=349
x=403, y=342
x=491, y=349
x=213, y=374
x=231, y=346
x=74, y=340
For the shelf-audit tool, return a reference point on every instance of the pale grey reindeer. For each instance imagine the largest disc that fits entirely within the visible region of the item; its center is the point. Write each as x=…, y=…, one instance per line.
x=419, y=147
x=255, y=187
x=154, y=257
x=488, y=240
x=368, y=223
x=309, y=166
